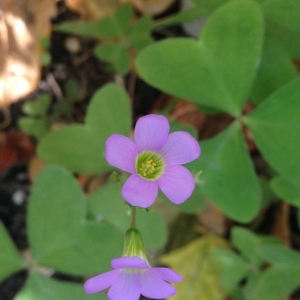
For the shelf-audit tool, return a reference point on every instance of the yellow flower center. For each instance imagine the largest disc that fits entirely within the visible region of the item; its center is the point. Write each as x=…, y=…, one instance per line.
x=149, y=165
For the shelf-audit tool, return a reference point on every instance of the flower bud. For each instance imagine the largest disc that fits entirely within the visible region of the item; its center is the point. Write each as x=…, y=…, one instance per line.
x=133, y=244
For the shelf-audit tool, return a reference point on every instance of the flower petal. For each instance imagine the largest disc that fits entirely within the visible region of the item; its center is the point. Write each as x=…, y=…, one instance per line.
x=139, y=192
x=129, y=262
x=177, y=183
x=151, y=132
x=121, y=152
x=167, y=274
x=180, y=148
x=155, y=288
x=101, y=282
x=126, y=288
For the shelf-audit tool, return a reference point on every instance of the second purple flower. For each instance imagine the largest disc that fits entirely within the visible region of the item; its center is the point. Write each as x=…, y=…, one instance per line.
x=154, y=159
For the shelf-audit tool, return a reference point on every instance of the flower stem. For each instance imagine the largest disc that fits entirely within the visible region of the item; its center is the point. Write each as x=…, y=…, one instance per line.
x=133, y=217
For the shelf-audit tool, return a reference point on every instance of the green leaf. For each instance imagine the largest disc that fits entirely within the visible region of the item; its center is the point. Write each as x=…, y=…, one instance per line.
x=89, y=252
x=33, y=126
x=10, y=260
x=290, y=39
x=116, y=26
x=80, y=148
x=140, y=34
x=247, y=243
x=39, y=287
x=228, y=176
x=115, y=54
x=198, y=11
x=285, y=190
x=63, y=108
x=251, y=284
x=152, y=228
x=234, y=268
x=276, y=282
x=88, y=29
x=276, y=130
x=285, y=13
x=76, y=148
x=123, y=17
x=275, y=70
x=268, y=197
x=59, y=236
x=278, y=254
x=37, y=107
x=195, y=203
x=199, y=71
x=72, y=90
x=108, y=204
x=56, y=210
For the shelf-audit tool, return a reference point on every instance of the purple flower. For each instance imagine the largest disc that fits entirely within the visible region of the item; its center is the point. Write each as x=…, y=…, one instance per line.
x=154, y=159
x=133, y=277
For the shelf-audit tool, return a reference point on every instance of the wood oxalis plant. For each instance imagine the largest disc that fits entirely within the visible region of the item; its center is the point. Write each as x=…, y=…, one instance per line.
x=244, y=53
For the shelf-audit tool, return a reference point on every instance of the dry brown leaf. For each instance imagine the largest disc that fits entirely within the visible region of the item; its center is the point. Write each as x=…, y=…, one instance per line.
x=35, y=165
x=22, y=24
x=92, y=10
x=199, y=268
x=150, y=7
x=214, y=219
x=187, y=113
x=16, y=146
x=281, y=227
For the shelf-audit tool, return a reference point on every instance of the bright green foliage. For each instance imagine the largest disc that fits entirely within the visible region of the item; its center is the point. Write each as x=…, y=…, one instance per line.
x=276, y=130
x=37, y=107
x=38, y=287
x=199, y=10
x=272, y=283
x=80, y=148
x=206, y=75
x=35, y=124
x=277, y=282
x=115, y=54
x=107, y=204
x=112, y=27
x=283, y=22
x=275, y=70
x=45, y=57
x=280, y=255
x=286, y=191
x=284, y=13
x=118, y=36
x=283, y=277
x=139, y=36
x=59, y=235
x=10, y=260
x=234, y=268
x=244, y=53
x=247, y=242
x=41, y=115
x=228, y=177
x=194, y=204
